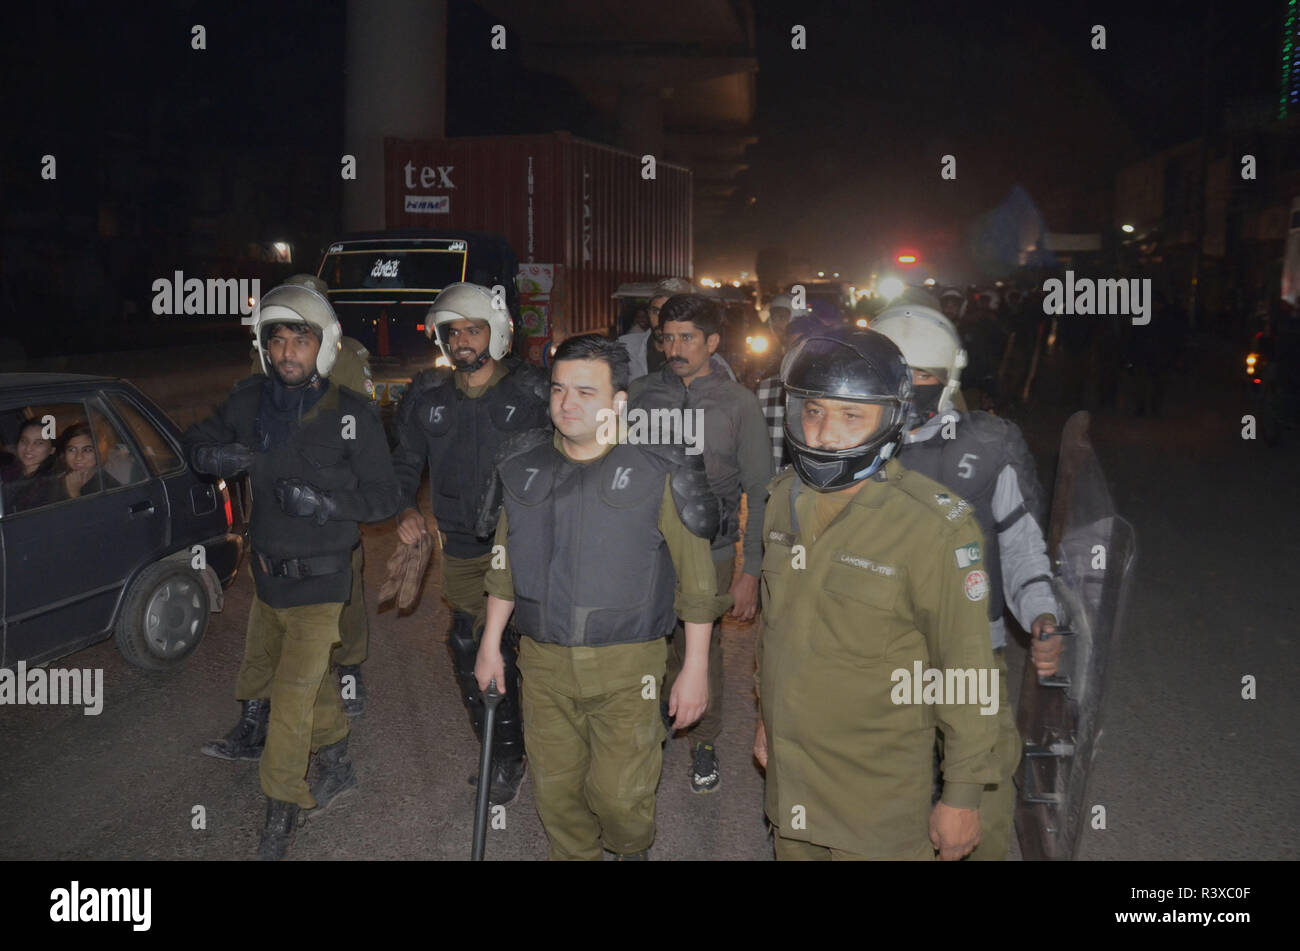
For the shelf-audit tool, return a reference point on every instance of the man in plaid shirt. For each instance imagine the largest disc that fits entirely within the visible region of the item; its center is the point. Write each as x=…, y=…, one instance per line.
x=772, y=398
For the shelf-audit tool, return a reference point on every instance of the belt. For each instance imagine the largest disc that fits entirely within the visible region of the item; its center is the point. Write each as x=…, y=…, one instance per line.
x=304, y=567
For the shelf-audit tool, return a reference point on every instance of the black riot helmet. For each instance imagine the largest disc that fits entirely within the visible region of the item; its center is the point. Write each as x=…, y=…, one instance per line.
x=823, y=373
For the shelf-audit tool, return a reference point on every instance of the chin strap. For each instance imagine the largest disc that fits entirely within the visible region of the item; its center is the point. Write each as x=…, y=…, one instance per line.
x=478, y=364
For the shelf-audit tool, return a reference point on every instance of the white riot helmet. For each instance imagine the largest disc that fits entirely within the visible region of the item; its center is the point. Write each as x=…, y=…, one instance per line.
x=465, y=301
x=297, y=303
x=929, y=342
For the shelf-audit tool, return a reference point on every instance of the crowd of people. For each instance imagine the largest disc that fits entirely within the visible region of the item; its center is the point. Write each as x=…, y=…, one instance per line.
x=587, y=574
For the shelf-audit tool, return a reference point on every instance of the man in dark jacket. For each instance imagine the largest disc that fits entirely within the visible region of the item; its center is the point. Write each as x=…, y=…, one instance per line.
x=729, y=431
x=456, y=419
x=318, y=463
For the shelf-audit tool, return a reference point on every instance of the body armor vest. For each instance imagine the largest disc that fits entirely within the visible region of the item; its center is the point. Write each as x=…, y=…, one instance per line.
x=463, y=436
x=589, y=563
x=969, y=465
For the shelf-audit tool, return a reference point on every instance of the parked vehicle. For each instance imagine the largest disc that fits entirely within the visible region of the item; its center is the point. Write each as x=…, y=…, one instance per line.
x=140, y=548
x=381, y=284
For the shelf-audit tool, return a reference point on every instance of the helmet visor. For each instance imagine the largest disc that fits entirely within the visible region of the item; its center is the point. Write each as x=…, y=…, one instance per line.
x=833, y=425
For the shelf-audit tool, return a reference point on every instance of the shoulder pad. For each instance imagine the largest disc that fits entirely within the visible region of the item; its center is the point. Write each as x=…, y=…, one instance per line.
x=522, y=442
x=531, y=380
x=1016, y=452
x=432, y=378
x=986, y=427
x=347, y=395
x=936, y=497
x=493, y=491
x=697, y=506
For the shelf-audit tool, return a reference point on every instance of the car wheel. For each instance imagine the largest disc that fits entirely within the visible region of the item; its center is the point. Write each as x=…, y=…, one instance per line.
x=164, y=616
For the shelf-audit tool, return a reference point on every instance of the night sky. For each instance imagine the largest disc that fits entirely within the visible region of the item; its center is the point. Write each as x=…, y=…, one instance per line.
x=850, y=130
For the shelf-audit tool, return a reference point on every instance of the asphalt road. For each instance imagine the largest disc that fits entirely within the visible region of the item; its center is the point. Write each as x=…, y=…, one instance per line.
x=1187, y=768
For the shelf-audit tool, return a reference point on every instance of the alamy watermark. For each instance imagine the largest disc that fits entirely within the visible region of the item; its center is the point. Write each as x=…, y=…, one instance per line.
x=951, y=686
x=652, y=427
x=1085, y=296
x=215, y=297
x=41, y=686
x=78, y=904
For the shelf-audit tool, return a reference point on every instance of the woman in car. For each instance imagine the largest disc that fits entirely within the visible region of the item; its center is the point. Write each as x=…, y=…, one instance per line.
x=33, y=460
x=79, y=471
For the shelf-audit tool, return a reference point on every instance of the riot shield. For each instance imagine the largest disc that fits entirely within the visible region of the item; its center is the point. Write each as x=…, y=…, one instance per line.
x=1093, y=551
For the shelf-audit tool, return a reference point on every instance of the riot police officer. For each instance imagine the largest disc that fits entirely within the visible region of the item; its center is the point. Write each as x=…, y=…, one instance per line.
x=455, y=419
x=318, y=464
x=351, y=370
x=862, y=582
x=984, y=460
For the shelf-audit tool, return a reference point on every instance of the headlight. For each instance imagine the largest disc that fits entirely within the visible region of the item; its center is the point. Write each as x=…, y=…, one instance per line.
x=759, y=344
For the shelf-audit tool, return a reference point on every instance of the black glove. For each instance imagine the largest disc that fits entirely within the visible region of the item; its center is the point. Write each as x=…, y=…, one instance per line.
x=302, y=499
x=225, y=460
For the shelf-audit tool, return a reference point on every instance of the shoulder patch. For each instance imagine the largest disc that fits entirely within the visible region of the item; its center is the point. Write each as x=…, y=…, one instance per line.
x=967, y=555
x=935, y=496
x=976, y=585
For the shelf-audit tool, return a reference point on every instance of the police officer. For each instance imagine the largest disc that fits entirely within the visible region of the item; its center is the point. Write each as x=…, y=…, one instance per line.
x=318, y=465
x=984, y=460
x=863, y=587
x=456, y=419
x=352, y=371
x=602, y=544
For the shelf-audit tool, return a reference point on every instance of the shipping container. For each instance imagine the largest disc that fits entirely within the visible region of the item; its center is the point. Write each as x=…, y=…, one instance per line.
x=581, y=217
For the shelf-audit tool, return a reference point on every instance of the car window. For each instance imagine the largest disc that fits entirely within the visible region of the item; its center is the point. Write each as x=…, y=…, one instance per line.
x=32, y=463
x=118, y=461
x=158, y=452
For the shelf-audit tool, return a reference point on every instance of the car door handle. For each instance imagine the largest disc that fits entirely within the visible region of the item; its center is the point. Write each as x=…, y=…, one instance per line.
x=145, y=508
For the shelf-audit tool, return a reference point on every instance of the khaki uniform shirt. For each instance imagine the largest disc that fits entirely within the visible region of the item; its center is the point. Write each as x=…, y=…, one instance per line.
x=849, y=599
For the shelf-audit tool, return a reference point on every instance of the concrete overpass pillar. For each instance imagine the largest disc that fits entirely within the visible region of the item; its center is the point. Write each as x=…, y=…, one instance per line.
x=395, y=85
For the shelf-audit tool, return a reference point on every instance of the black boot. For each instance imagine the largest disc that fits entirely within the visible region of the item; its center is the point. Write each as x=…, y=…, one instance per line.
x=356, y=704
x=277, y=834
x=248, y=737
x=335, y=778
x=508, y=764
x=506, y=780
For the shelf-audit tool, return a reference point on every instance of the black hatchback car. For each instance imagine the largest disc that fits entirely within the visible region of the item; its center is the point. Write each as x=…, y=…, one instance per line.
x=104, y=528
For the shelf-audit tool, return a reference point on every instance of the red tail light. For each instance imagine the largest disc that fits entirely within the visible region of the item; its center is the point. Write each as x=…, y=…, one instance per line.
x=225, y=503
